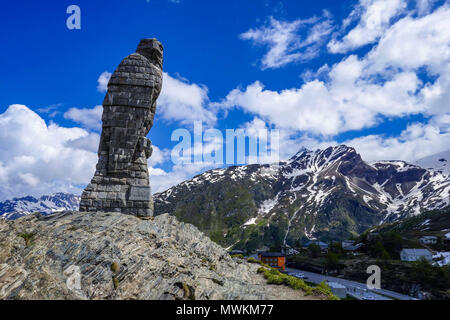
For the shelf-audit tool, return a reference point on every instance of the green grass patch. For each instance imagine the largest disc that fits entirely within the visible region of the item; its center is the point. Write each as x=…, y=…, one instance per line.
x=114, y=267
x=274, y=276
x=323, y=288
x=253, y=260
x=28, y=237
x=115, y=282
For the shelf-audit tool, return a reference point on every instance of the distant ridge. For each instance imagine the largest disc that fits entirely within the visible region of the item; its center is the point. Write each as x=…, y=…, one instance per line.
x=439, y=161
x=19, y=207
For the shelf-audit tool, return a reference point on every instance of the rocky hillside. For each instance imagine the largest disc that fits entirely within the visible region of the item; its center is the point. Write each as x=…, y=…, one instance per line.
x=72, y=255
x=327, y=194
x=429, y=223
x=19, y=207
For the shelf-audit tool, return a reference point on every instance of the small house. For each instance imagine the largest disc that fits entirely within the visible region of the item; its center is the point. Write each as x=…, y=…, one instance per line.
x=276, y=260
x=428, y=240
x=347, y=243
x=415, y=254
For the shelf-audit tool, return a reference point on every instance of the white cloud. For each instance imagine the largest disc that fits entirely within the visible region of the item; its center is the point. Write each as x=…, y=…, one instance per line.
x=374, y=18
x=414, y=42
x=424, y=6
x=184, y=102
x=37, y=158
x=321, y=73
x=158, y=156
x=358, y=93
x=417, y=141
x=288, y=141
x=103, y=80
x=284, y=42
x=29, y=179
x=89, y=118
x=346, y=102
x=89, y=143
x=51, y=110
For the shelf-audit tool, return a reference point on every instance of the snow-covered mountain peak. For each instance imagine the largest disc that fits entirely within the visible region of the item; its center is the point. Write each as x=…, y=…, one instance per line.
x=18, y=207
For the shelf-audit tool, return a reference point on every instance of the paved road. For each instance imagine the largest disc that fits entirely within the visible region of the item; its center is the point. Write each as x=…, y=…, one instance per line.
x=357, y=289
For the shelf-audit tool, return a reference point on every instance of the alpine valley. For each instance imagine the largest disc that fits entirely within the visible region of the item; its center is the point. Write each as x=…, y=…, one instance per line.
x=325, y=194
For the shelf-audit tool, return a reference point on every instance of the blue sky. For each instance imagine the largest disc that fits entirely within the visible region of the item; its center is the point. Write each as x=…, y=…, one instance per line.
x=373, y=74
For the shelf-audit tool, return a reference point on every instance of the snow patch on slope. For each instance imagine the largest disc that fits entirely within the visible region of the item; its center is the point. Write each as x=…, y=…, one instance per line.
x=438, y=162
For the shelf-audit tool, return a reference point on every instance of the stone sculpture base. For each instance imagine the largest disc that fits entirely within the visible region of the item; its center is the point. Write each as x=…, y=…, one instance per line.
x=108, y=194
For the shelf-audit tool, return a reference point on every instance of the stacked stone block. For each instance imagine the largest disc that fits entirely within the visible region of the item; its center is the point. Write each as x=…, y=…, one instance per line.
x=121, y=181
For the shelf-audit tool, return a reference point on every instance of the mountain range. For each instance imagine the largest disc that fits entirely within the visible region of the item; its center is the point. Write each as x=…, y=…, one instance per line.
x=18, y=207
x=323, y=194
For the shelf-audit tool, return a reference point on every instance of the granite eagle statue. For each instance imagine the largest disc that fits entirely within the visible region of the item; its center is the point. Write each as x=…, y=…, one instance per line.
x=121, y=182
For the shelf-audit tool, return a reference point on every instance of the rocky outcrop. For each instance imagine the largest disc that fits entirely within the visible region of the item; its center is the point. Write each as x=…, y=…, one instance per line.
x=121, y=181
x=95, y=255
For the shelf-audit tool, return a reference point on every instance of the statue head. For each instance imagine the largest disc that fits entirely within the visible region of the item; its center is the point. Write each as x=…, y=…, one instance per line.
x=152, y=49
